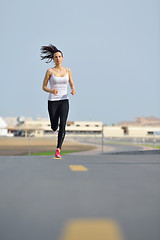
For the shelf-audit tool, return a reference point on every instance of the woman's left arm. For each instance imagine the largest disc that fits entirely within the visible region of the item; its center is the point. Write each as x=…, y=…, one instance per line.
x=71, y=82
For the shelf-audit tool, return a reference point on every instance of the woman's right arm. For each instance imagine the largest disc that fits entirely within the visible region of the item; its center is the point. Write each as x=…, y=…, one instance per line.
x=45, y=83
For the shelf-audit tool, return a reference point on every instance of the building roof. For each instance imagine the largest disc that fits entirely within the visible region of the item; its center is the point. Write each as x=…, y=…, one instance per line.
x=142, y=121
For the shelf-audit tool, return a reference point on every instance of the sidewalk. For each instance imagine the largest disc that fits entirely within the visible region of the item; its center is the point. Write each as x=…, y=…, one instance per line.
x=96, y=151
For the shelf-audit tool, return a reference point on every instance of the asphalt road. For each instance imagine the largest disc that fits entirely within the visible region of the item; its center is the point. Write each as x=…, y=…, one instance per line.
x=113, y=196
x=124, y=148
x=130, y=149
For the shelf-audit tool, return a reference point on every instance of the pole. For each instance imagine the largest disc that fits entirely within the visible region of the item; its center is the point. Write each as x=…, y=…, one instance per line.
x=29, y=146
x=102, y=139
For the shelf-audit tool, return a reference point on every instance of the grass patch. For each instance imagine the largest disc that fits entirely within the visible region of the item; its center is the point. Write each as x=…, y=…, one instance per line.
x=151, y=146
x=51, y=153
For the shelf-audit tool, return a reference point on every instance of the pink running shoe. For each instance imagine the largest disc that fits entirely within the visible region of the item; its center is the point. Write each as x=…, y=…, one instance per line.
x=57, y=154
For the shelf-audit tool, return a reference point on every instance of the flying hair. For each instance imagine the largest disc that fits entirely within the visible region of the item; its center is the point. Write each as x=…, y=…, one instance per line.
x=47, y=52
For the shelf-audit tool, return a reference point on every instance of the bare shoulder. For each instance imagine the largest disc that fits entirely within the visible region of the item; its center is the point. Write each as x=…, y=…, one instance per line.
x=69, y=70
x=49, y=71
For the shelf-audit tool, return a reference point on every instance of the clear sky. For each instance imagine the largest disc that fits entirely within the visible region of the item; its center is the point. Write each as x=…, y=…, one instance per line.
x=112, y=48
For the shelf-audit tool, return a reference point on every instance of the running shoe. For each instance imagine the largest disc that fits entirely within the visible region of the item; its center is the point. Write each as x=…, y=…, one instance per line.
x=57, y=154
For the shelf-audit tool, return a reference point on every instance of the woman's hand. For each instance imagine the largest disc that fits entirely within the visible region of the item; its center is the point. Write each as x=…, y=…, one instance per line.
x=73, y=91
x=55, y=91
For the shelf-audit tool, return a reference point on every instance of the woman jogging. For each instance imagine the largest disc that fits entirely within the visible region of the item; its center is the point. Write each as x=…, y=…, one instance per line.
x=58, y=102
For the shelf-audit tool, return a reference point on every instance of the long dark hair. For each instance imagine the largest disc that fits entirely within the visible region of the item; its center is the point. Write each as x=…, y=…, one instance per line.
x=48, y=52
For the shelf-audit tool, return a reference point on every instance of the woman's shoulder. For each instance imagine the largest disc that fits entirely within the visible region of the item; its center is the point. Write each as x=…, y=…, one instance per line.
x=68, y=69
x=50, y=70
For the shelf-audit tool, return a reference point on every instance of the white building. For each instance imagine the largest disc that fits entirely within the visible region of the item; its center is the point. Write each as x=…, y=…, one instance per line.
x=132, y=131
x=3, y=127
x=42, y=127
x=84, y=127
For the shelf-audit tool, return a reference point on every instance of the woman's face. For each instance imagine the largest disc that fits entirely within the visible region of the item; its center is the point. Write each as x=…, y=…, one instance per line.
x=57, y=58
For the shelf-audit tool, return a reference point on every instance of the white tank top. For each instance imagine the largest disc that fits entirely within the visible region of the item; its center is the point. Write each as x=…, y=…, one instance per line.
x=59, y=83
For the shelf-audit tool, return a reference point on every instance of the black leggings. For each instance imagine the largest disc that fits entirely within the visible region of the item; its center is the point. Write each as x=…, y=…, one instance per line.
x=58, y=109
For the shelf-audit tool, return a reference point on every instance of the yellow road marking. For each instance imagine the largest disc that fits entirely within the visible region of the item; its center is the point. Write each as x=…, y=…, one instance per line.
x=78, y=168
x=92, y=229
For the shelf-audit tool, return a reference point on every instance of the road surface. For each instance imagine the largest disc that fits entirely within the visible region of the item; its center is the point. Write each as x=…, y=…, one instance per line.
x=109, y=197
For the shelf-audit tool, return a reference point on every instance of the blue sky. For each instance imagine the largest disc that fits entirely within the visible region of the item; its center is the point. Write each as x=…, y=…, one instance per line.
x=111, y=47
